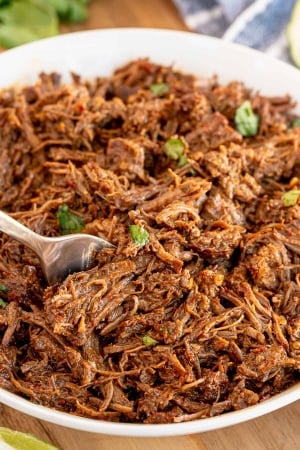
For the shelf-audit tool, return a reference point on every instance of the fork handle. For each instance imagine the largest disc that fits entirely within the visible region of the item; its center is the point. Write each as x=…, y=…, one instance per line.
x=19, y=232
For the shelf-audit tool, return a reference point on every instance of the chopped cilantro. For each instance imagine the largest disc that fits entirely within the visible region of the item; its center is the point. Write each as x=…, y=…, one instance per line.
x=139, y=235
x=149, y=341
x=246, y=121
x=159, y=89
x=174, y=148
x=3, y=304
x=69, y=223
x=290, y=198
x=296, y=123
x=3, y=288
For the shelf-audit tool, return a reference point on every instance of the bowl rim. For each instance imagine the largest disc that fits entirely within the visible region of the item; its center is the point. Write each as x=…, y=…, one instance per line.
x=188, y=36
x=224, y=420
x=135, y=429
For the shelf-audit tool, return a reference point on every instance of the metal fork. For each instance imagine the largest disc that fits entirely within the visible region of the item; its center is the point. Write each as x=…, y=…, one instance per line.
x=60, y=255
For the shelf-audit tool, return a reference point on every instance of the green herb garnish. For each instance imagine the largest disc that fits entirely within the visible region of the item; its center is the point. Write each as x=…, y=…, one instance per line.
x=69, y=223
x=139, y=235
x=183, y=160
x=70, y=10
x=23, y=21
x=246, y=121
x=3, y=288
x=159, y=89
x=149, y=341
x=290, y=198
x=296, y=123
x=174, y=148
x=3, y=304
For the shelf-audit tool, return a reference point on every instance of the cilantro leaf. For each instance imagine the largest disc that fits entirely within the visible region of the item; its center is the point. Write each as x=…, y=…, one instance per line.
x=3, y=304
x=3, y=288
x=159, y=89
x=149, y=341
x=139, y=235
x=296, y=123
x=69, y=223
x=246, y=121
x=174, y=148
x=290, y=198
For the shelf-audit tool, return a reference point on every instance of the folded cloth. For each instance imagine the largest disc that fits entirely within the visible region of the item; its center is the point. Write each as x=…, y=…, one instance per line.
x=259, y=24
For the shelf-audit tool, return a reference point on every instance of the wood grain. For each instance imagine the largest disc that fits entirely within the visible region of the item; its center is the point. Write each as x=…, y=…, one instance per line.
x=276, y=431
x=131, y=13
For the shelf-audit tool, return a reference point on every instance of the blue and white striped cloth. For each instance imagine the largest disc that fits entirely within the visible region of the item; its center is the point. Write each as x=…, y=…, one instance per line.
x=259, y=24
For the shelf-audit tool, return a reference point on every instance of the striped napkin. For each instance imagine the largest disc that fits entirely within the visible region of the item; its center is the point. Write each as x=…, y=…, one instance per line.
x=259, y=24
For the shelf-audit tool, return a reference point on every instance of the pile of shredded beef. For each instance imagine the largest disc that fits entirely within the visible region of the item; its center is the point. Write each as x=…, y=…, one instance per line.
x=202, y=319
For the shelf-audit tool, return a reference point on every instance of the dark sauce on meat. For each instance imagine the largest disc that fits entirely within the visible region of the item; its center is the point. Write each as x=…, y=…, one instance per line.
x=202, y=319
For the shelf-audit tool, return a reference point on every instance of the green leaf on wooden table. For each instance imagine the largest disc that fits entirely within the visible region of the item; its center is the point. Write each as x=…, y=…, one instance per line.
x=5, y=2
x=70, y=10
x=23, y=21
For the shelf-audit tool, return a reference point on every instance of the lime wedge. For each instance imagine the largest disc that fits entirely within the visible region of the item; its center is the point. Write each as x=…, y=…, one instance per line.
x=15, y=440
x=293, y=34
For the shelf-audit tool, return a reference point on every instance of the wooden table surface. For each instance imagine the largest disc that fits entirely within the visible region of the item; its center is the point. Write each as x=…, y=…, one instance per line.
x=276, y=431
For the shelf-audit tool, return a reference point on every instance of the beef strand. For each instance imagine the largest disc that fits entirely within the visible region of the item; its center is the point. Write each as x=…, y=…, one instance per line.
x=202, y=319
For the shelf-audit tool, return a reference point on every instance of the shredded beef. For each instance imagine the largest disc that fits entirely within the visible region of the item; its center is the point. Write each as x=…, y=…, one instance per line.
x=202, y=319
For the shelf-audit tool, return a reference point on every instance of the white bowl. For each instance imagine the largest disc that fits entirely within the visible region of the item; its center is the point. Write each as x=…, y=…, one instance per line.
x=98, y=52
